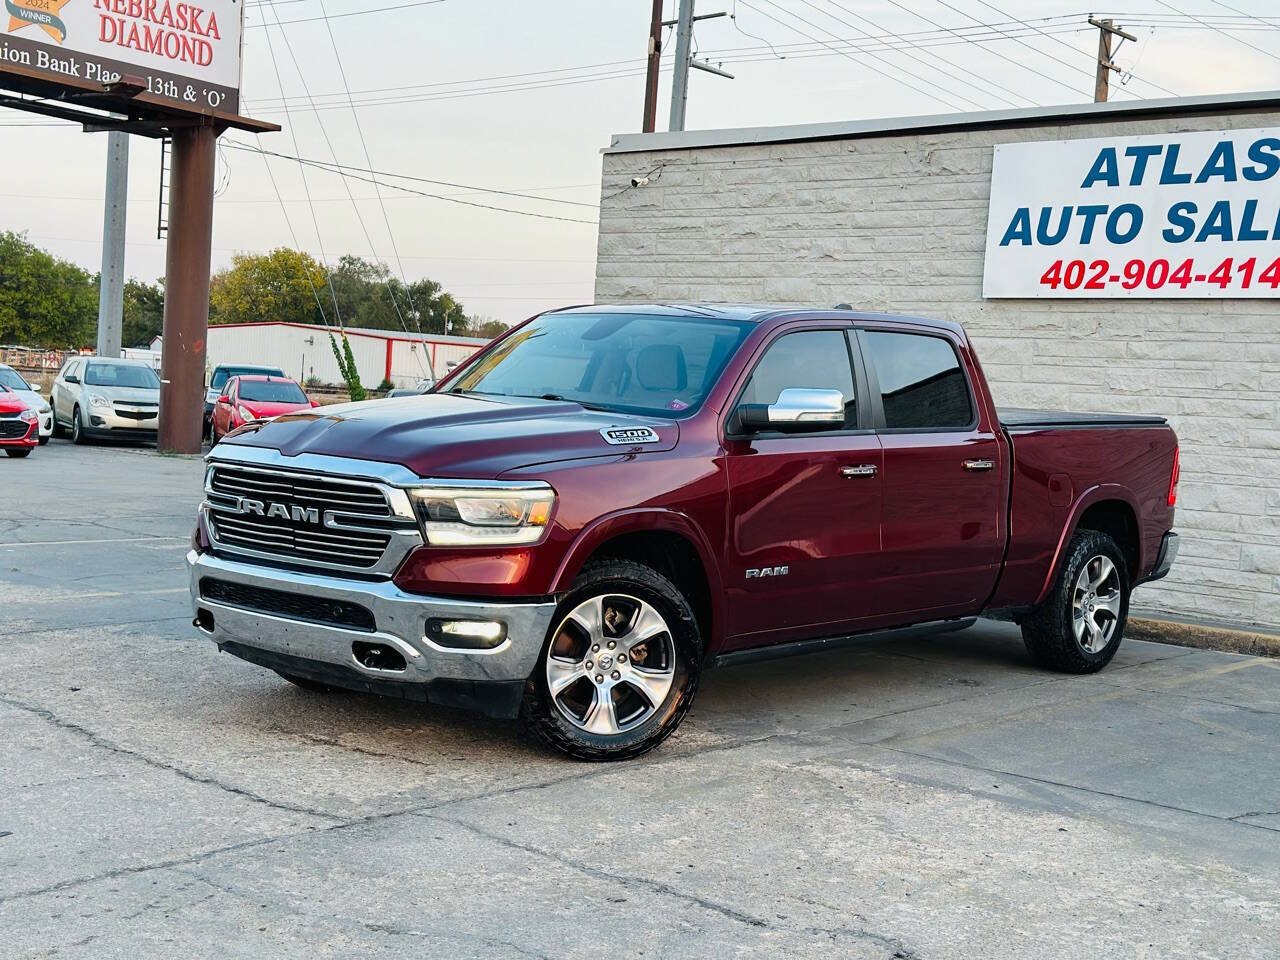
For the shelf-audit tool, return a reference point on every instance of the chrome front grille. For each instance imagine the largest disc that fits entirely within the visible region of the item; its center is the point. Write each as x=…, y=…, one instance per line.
x=305, y=518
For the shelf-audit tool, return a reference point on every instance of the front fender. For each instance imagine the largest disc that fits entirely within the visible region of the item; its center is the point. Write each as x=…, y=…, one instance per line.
x=646, y=520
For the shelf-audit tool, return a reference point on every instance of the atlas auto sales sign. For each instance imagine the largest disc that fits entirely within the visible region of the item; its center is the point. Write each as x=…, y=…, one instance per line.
x=188, y=54
x=1174, y=215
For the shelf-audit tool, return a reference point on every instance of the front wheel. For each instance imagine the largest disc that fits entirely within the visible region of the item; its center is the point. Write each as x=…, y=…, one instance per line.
x=43, y=440
x=77, y=428
x=620, y=667
x=1079, y=626
x=20, y=452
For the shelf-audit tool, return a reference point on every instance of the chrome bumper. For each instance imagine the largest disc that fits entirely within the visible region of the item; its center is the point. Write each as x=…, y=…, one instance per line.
x=399, y=622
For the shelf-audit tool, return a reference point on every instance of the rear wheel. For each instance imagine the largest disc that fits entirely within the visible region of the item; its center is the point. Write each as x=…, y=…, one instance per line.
x=1080, y=625
x=620, y=668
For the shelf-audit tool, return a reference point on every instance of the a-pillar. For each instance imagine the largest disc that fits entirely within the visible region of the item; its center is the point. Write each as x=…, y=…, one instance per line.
x=186, y=290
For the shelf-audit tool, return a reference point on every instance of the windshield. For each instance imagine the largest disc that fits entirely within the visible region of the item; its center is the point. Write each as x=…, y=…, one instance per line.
x=10, y=378
x=636, y=363
x=121, y=375
x=272, y=391
x=223, y=374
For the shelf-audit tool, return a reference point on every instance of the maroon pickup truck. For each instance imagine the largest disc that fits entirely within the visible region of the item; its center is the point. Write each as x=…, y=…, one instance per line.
x=609, y=499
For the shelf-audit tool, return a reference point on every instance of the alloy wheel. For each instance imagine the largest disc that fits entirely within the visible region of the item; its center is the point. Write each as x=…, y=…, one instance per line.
x=1095, y=604
x=611, y=664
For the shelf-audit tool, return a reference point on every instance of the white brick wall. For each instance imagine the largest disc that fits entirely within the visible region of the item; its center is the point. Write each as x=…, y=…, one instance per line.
x=897, y=223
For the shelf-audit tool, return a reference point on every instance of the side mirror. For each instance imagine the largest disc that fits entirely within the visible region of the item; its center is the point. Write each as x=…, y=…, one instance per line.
x=71, y=378
x=797, y=408
x=224, y=399
x=315, y=403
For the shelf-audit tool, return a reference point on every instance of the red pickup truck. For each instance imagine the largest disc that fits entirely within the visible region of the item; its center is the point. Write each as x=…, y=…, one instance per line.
x=609, y=499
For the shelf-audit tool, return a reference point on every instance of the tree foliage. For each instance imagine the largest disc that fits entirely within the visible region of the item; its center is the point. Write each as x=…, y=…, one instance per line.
x=279, y=285
x=347, y=367
x=143, y=313
x=44, y=301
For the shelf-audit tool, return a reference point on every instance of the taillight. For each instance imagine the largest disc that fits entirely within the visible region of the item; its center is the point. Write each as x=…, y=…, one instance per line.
x=1173, y=481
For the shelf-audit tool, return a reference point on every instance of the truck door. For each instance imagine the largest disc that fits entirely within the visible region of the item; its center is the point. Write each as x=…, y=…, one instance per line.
x=804, y=523
x=942, y=531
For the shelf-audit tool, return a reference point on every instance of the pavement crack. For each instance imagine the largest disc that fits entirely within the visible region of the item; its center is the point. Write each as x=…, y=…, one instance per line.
x=397, y=931
x=625, y=880
x=99, y=741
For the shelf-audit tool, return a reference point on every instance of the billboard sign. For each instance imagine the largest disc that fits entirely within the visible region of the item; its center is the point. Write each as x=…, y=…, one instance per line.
x=1171, y=215
x=188, y=55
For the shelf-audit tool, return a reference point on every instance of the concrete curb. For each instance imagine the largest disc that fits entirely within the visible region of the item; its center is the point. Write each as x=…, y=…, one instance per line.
x=1204, y=637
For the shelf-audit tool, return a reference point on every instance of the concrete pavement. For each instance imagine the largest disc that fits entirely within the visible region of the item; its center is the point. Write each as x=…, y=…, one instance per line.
x=927, y=799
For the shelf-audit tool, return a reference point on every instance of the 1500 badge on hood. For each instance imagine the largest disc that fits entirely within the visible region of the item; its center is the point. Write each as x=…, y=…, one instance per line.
x=626, y=436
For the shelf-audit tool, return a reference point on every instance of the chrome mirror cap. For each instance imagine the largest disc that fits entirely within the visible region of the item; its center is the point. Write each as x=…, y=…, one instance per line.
x=807, y=405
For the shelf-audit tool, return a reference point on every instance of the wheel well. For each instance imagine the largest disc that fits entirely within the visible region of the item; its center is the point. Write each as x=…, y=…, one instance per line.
x=1116, y=519
x=673, y=556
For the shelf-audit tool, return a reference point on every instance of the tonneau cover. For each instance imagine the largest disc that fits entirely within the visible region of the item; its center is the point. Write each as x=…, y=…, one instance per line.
x=1023, y=418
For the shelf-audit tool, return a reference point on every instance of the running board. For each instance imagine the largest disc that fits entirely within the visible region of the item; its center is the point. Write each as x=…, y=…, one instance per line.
x=801, y=647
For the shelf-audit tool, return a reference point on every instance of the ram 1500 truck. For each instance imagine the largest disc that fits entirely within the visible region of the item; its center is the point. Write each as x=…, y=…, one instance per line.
x=608, y=499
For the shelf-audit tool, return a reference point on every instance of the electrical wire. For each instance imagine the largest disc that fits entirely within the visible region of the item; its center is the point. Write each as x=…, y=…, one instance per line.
x=1251, y=46
x=352, y=13
x=921, y=60
x=793, y=28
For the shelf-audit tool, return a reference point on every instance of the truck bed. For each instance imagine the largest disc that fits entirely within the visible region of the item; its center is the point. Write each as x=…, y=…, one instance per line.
x=1025, y=418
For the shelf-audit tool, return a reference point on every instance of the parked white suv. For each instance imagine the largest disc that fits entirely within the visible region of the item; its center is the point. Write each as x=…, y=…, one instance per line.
x=105, y=397
x=10, y=378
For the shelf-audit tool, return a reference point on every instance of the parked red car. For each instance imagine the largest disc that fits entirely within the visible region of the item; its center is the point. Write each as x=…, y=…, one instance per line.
x=249, y=398
x=609, y=499
x=19, y=425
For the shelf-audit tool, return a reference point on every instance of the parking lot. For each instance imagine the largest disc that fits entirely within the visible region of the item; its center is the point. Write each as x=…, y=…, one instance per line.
x=928, y=799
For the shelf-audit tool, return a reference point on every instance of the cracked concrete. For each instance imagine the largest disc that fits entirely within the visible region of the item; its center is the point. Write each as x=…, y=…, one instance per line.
x=933, y=799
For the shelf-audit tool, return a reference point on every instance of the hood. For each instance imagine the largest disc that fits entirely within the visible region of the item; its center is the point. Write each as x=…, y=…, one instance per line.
x=264, y=409
x=126, y=394
x=451, y=435
x=12, y=403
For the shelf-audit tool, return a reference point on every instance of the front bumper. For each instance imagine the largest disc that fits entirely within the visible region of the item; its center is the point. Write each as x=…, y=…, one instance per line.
x=324, y=651
x=110, y=422
x=46, y=424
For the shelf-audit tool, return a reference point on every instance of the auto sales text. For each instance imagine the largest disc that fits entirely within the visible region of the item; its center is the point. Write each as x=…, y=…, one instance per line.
x=1185, y=221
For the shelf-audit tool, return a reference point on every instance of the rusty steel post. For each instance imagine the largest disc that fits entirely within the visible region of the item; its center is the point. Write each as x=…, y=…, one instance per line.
x=186, y=290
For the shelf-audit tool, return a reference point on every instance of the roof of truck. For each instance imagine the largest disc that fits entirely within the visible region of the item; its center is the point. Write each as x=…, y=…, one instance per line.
x=755, y=312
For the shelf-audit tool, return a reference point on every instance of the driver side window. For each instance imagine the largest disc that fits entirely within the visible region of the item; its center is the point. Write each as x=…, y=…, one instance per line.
x=809, y=358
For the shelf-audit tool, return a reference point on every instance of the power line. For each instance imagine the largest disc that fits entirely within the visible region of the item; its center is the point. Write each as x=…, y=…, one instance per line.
x=1251, y=46
x=905, y=83
x=944, y=72
x=329, y=168
x=439, y=183
x=352, y=13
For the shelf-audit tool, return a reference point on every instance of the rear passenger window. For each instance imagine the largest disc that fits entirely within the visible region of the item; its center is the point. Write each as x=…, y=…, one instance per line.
x=811, y=358
x=921, y=383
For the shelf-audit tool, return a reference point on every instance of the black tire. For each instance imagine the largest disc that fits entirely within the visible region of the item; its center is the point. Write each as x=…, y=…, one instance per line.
x=77, y=428
x=19, y=453
x=1049, y=632
x=545, y=721
x=43, y=441
x=59, y=430
x=314, y=686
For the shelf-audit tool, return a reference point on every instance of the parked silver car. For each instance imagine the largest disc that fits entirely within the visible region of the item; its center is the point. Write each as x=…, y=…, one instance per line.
x=104, y=397
x=12, y=379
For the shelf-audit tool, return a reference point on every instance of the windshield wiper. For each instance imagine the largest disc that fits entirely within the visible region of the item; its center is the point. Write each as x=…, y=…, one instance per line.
x=583, y=404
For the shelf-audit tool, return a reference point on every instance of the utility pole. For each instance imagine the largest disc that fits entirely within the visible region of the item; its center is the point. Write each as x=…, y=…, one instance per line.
x=111, y=280
x=1106, y=30
x=651, y=76
x=680, y=78
x=684, y=60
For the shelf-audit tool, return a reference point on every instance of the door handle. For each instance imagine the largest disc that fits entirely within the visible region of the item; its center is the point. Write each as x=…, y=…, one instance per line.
x=975, y=466
x=861, y=470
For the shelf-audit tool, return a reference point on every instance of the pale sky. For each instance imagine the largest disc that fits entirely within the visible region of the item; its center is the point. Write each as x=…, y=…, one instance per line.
x=546, y=140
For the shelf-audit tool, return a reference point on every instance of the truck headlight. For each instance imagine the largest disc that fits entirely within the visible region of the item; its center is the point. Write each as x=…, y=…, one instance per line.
x=98, y=401
x=478, y=516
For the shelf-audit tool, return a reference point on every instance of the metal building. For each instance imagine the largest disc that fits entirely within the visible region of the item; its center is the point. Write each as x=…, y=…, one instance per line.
x=303, y=351
x=1166, y=301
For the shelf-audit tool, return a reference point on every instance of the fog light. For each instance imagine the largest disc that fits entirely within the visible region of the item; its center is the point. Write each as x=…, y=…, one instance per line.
x=467, y=634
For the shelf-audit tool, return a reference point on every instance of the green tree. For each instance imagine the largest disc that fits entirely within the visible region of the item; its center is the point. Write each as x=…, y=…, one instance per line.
x=280, y=285
x=143, y=312
x=347, y=367
x=44, y=301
